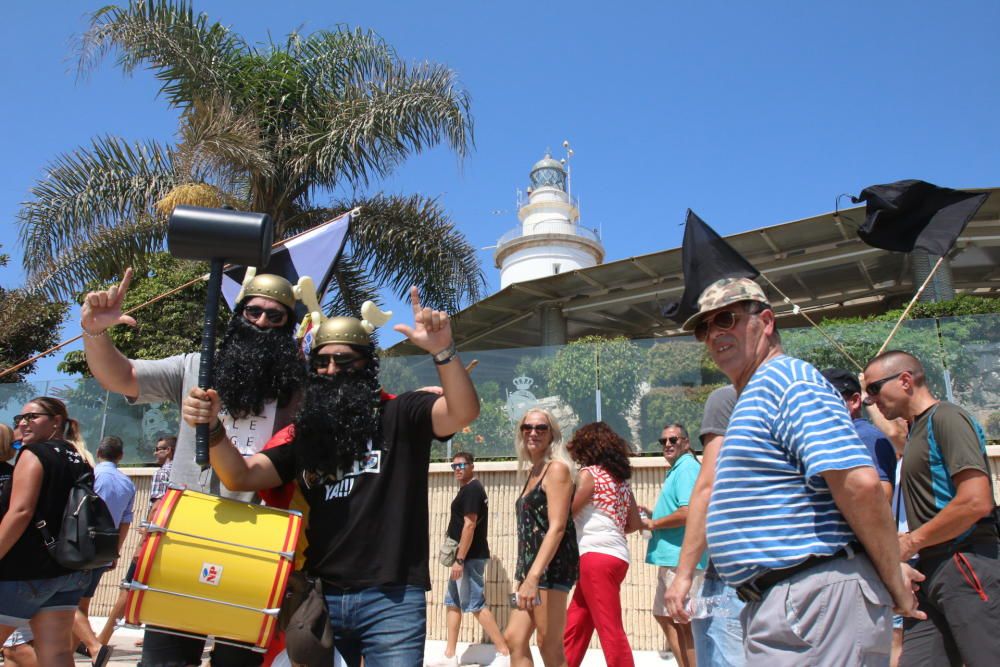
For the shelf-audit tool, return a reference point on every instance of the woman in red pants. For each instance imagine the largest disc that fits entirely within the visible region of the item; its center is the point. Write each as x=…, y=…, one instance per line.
x=604, y=510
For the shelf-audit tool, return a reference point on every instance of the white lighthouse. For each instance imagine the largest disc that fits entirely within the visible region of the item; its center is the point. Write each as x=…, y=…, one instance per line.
x=549, y=239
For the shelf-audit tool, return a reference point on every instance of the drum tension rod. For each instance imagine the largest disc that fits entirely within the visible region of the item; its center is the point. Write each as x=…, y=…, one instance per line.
x=155, y=528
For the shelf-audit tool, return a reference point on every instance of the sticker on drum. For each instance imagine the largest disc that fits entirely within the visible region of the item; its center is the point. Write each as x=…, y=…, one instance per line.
x=211, y=573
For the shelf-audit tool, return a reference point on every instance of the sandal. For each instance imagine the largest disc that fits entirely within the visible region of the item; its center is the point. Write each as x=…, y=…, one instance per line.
x=104, y=655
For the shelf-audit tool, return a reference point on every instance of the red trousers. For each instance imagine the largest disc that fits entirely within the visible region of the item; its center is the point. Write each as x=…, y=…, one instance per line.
x=597, y=605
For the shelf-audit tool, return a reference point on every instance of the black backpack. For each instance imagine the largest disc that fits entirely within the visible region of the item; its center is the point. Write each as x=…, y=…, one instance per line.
x=88, y=537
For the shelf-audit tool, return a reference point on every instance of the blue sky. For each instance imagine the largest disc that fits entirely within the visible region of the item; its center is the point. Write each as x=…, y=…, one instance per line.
x=751, y=114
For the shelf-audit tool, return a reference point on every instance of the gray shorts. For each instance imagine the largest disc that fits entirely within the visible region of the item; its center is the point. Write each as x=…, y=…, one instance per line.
x=836, y=613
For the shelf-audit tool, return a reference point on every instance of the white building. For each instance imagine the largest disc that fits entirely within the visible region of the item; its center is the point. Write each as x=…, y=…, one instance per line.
x=549, y=239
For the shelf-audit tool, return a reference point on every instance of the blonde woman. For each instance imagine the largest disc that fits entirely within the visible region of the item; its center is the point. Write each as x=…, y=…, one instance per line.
x=548, y=561
x=33, y=586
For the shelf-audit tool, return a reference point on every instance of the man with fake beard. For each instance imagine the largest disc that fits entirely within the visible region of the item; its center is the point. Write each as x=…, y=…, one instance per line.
x=360, y=462
x=259, y=377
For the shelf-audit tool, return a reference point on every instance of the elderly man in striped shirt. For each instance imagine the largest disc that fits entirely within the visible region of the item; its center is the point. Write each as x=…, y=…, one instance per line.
x=797, y=521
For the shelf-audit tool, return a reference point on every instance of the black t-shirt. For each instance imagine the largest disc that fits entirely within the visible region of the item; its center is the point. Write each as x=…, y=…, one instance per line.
x=471, y=499
x=370, y=528
x=61, y=466
x=6, y=472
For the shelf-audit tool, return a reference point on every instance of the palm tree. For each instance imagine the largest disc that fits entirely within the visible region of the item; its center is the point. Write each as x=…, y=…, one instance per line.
x=267, y=128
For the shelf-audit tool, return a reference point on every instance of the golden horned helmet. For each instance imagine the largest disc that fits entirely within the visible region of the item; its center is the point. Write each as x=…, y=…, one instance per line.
x=345, y=330
x=268, y=286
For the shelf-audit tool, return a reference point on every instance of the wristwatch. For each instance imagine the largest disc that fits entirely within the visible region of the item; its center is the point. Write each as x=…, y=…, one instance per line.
x=445, y=355
x=460, y=561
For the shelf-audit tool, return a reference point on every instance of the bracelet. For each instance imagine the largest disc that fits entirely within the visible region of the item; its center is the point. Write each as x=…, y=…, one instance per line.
x=93, y=335
x=447, y=354
x=217, y=434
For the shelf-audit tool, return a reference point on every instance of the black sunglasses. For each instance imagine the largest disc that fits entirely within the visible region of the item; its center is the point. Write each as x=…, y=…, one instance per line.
x=30, y=417
x=528, y=428
x=339, y=359
x=673, y=440
x=459, y=466
x=274, y=315
x=724, y=320
x=875, y=387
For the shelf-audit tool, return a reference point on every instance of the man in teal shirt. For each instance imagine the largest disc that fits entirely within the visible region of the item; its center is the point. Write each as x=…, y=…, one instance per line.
x=667, y=525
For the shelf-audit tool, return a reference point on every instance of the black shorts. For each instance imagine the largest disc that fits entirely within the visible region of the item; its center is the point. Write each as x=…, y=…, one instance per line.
x=160, y=649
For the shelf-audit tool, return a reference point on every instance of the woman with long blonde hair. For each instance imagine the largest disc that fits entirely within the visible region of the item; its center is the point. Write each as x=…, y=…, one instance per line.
x=548, y=561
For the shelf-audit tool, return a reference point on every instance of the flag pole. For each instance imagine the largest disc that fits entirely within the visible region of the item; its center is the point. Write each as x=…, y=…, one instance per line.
x=353, y=213
x=910, y=305
x=799, y=311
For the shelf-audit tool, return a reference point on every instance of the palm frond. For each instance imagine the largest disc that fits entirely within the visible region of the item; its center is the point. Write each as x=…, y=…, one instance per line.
x=405, y=241
x=351, y=286
x=220, y=145
x=88, y=191
x=189, y=55
x=100, y=257
x=334, y=60
x=368, y=129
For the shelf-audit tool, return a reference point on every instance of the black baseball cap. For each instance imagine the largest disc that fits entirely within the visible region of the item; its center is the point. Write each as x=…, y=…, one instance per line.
x=843, y=381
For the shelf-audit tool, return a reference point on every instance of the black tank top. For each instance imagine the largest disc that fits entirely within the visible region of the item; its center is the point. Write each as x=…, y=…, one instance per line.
x=61, y=466
x=532, y=524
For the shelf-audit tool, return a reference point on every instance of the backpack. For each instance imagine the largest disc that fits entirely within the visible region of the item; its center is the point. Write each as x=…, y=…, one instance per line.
x=88, y=537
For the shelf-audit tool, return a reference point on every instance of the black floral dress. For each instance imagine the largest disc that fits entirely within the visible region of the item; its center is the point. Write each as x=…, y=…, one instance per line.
x=532, y=525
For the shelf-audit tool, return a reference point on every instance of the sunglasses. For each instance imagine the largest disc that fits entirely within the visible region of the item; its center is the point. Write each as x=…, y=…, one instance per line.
x=673, y=440
x=875, y=387
x=161, y=449
x=528, y=428
x=339, y=359
x=723, y=320
x=274, y=315
x=29, y=417
x=459, y=466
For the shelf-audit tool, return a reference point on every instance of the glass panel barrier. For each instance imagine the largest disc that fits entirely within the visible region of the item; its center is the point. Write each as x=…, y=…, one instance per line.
x=636, y=386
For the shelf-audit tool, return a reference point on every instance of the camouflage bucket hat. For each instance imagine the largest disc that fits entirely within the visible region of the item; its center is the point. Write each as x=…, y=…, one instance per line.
x=722, y=293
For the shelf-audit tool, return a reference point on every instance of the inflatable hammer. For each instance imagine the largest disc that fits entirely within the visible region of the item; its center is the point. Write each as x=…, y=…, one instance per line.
x=219, y=236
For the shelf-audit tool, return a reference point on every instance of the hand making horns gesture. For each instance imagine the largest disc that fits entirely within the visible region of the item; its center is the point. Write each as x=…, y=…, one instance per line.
x=103, y=309
x=431, y=330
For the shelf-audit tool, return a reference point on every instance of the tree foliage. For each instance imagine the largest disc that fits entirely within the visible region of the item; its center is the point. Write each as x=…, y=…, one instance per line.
x=271, y=128
x=170, y=326
x=617, y=363
x=29, y=324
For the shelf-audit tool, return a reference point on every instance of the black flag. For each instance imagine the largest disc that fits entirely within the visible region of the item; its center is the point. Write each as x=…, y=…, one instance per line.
x=912, y=214
x=706, y=258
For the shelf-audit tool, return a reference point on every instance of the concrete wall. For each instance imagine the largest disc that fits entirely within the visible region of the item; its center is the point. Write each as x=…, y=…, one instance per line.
x=503, y=486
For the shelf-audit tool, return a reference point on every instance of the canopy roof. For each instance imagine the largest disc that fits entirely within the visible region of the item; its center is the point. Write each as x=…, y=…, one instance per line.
x=819, y=262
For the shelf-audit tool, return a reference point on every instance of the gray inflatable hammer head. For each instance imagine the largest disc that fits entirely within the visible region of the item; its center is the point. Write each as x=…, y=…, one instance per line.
x=194, y=232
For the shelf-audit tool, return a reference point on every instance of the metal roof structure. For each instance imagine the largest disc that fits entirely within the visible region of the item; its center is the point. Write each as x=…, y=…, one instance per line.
x=819, y=263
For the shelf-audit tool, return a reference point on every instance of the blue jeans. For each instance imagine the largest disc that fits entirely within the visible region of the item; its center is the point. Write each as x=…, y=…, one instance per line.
x=718, y=639
x=21, y=600
x=467, y=593
x=387, y=625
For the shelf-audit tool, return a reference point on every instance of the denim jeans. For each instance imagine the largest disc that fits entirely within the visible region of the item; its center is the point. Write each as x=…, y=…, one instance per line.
x=718, y=640
x=386, y=625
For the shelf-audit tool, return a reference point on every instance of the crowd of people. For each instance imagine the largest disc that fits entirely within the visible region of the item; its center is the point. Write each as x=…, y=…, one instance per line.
x=794, y=540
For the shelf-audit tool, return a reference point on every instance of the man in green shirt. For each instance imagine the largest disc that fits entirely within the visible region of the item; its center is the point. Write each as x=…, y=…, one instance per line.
x=948, y=497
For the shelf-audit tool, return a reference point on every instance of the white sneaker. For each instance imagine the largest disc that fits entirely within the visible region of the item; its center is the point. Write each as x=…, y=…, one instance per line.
x=443, y=661
x=500, y=661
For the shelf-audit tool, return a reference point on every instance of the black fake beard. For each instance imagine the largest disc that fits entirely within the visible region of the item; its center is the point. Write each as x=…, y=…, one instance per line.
x=340, y=415
x=254, y=366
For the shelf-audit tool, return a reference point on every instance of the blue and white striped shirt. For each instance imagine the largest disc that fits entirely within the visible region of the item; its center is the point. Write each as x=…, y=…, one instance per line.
x=770, y=506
